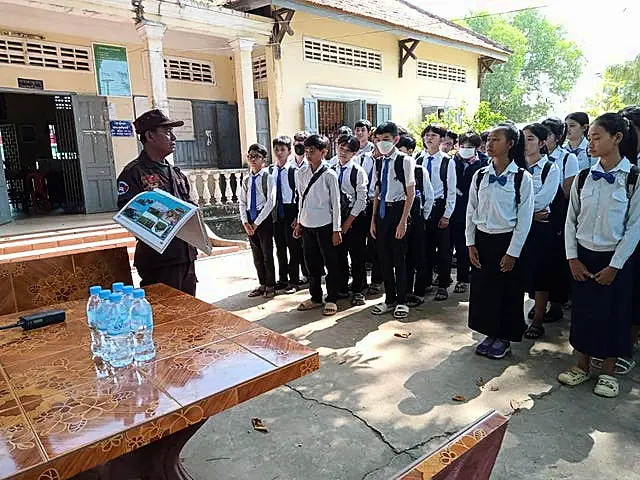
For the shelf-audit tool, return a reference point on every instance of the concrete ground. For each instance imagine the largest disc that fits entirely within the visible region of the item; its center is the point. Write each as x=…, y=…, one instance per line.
x=380, y=401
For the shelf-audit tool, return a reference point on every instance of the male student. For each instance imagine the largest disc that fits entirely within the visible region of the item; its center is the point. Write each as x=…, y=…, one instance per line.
x=395, y=191
x=343, y=130
x=362, y=131
x=297, y=161
x=319, y=224
x=257, y=198
x=442, y=172
x=353, y=183
x=449, y=142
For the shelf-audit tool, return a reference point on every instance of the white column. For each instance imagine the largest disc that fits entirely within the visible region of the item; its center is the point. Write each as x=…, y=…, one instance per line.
x=152, y=34
x=242, y=48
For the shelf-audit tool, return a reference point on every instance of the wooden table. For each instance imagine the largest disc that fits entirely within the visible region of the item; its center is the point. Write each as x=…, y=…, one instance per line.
x=62, y=413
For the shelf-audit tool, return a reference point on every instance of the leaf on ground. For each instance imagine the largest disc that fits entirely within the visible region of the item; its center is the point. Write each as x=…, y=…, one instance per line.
x=258, y=425
x=480, y=382
x=515, y=404
x=342, y=362
x=494, y=388
x=402, y=334
x=458, y=398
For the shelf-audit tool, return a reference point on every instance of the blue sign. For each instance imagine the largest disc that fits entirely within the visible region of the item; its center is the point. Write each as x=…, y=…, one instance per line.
x=121, y=128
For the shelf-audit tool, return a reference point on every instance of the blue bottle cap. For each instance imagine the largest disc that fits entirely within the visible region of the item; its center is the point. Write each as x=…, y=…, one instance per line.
x=117, y=286
x=105, y=294
x=95, y=290
x=138, y=293
x=116, y=297
x=128, y=289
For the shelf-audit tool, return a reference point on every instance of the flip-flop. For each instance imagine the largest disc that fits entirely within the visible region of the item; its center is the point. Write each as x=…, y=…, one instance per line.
x=256, y=292
x=357, y=300
x=329, y=309
x=308, y=305
x=382, y=308
x=414, y=300
x=534, y=332
x=401, y=312
x=441, y=295
x=623, y=365
x=461, y=287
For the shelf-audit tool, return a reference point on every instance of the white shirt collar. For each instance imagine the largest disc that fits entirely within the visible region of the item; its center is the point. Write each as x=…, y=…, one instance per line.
x=348, y=164
x=540, y=163
x=624, y=165
x=512, y=167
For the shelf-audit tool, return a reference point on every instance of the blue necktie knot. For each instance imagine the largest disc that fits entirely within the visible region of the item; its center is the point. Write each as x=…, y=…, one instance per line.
x=608, y=176
x=500, y=179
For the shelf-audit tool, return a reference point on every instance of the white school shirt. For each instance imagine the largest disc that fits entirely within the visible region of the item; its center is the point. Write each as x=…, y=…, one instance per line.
x=368, y=148
x=294, y=163
x=492, y=208
x=596, y=220
x=395, y=190
x=581, y=153
x=544, y=193
x=322, y=204
x=357, y=197
x=568, y=170
x=288, y=195
x=333, y=161
x=369, y=166
x=264, y=205
x=427, y=195
x=436, y=181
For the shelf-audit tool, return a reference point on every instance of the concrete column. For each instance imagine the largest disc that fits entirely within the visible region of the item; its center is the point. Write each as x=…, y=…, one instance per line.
x=242, y=48
x=275, y=93
x=152, y=34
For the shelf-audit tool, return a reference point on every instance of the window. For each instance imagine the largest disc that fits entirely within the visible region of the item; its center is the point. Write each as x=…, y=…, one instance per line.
x=188, y=70
x=340, y=54
x=17, y=51
x=440, y=71
x=259, y=69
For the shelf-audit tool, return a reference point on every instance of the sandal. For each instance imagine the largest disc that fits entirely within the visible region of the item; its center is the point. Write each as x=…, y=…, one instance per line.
x=309, y=305
x=269, y=292
x=607, y=386
x=357, y=300
x=441, y=295
x=382, y=308
x=574, y=376
x=329, y=309
x=414, y=300
x=623, y=365
x=461, y=287
x=401, y=312
x=534, y=332
x=257, y=292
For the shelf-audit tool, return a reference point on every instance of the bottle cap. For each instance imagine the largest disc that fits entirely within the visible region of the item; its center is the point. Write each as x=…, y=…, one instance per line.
x=117, y=286
x=128, y=289
x=116, y=297
x=95, y=290
x=138, y=293
x=105, y=294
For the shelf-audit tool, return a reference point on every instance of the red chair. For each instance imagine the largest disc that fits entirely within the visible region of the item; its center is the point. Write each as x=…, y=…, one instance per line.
x=37, y=184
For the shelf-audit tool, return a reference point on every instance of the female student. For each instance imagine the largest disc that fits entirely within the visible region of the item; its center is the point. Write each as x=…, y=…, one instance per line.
x=499, y=216
x=577, y=124
x=602, y=231
x=546, y=184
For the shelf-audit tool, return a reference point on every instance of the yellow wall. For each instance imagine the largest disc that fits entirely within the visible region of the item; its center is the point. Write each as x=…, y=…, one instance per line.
x=290, y=75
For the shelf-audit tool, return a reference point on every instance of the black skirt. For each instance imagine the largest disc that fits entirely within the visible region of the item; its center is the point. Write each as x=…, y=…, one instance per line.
x=496, y=299
x=635, y=319
x=538, y=261
x=601, y=315
x=561, y=275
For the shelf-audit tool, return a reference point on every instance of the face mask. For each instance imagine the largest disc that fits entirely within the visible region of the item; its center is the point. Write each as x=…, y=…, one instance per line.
x=385, y=147
x=467, y=153
x=299, y=149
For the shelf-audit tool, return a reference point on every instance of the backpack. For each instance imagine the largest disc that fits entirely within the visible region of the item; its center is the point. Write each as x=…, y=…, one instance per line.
x=344, y=199
x=558, y=204
x=291, y=175
x=398, y=168
x=517, y=181
x=444, y=169
x=632, y=180
x=418, y=202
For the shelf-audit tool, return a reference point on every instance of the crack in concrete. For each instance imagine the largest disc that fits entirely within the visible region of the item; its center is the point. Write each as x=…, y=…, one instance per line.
x=381, y=467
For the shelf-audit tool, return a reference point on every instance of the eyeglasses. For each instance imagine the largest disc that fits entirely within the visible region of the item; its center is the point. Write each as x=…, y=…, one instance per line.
x=256, y=156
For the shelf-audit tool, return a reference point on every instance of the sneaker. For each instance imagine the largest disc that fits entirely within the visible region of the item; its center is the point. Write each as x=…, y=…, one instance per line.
x=281, y=286
x=290, y=289
x=302, y=283
x=499, y=349
x=269, y=292
x=483, y=348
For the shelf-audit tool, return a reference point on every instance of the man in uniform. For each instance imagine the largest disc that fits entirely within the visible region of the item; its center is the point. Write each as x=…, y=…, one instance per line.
x=175, y=267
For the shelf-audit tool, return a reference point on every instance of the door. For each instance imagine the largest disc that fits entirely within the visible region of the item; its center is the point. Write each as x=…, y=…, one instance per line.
x=97, y=169
x=5, y=209
x=228, y=134
x=354, y=111
x=203, y=151
x=262, y=123
x=310, y=109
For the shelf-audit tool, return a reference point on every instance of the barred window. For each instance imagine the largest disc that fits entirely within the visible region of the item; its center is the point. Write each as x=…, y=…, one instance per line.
x=17, y=51
x=341, y=54
x=188, y=70
x=440, y=71
x=259, y=69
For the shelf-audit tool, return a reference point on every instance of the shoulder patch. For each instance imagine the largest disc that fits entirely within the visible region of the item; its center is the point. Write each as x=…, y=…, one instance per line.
x=123, y=187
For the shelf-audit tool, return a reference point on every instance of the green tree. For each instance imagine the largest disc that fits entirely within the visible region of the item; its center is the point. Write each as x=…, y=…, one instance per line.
x=620, y=87
x=541, y=71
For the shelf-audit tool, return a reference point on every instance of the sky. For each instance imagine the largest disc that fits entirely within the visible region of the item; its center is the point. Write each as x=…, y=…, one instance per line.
x=606, y=34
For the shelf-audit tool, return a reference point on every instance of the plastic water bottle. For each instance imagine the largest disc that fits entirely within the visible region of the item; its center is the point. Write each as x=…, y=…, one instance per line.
x=92, y=307
x=100, y=347
x=117, y=287
x=119, y=330
x=142, y=327
x=127, y=297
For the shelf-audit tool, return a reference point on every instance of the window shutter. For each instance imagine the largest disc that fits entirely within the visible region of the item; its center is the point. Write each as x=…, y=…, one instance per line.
x=310, y=107
x=383, y=114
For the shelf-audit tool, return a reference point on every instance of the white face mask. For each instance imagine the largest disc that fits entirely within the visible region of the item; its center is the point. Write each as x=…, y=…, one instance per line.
x=385, y=147
x=467, y=153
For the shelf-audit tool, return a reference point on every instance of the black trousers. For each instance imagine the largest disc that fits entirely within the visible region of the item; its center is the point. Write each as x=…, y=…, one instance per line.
x=438, y=246
x=288, y=249
x=181, y=276
x=462, y=252
x=392, y=254
x=262, y=248
x=416, y=260
x=319, y=253
x=372, y=250
x=354, y=245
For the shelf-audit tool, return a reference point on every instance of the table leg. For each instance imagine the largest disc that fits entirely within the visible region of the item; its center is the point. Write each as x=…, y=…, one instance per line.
x=159, y=460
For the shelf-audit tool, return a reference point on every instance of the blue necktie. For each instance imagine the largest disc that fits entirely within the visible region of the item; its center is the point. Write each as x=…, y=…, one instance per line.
x=253, y=210
x=342, y=169
x=430, y=159
x=501, y=180
x=609, y=177
x=279, y=193
x=383, y=188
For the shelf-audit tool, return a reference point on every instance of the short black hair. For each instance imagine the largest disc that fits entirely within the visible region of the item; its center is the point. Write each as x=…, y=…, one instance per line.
x=484, y=136
x=301, y=136
x=318, y=141
x=363, y=122
x=581, y=117
x=470, y=137
x=387, y=127
x=407, y=142
x=283, y=141
x=344, y=130
x=631, y=113
x=256, y=147
x=350, y=141
x=435, y=128
x=452, y=135
x=557, y=127
x=402, y=131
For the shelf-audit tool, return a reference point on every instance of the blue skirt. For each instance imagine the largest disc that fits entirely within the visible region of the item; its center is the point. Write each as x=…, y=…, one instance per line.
x=601, y=315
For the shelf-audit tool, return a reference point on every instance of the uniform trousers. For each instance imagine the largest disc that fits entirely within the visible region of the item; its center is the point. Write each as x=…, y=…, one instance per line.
x=262, y=248
x=288, y=248
x=354, y=246
x=438, y=246
x=319, y=253
x=392, y=254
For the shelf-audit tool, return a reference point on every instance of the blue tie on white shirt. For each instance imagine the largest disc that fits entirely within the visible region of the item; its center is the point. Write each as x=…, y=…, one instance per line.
x=253, y=210
x=608, y=176
x=279, y=193
x=501, y=179
x=342, y=169
x=383, y=188
x=430, y=159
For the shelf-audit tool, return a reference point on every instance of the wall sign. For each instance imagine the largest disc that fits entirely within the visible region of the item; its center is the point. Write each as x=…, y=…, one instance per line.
x=31, y=83
x=112, y=70
x=121, y=128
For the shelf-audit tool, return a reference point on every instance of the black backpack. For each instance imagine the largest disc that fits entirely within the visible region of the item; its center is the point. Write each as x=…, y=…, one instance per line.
x=344, y=200
x=291, y=174
x=558, y=205
x=418, y=203
x=632, y=180
x=444, y=169
x=517, y=181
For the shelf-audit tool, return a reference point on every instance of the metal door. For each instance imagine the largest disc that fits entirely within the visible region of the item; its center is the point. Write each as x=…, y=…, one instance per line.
x=354, y=111
x=262, y=123
x=67, y=144
x=228, y=134
x=97, y=168
x=5, y=209
x=203, y=151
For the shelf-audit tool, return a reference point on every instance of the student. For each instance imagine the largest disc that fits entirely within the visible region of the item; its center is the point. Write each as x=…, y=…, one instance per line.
x=353, y=184
x=257, y=198
x=319, y=224
x=285, y=212
x=343, y=130
x=362, y=130
x=467, y=163
x=546, y=185
x=420, y=210
x=577, y=143
x=395, y=191
x=602, y=231
x=483, y=145
x=449, y=143
x=499, y=217
x=442, y=172
x=297, y=161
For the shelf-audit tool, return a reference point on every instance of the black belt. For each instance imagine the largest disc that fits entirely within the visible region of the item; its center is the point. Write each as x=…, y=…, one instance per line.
x=394, y=204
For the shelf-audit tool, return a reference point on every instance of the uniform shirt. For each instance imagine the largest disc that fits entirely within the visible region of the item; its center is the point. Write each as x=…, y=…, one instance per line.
x=368, y=163
x=333, y=161
x=368, y=148
x=264, y=203
x=544, y=193
x=465, y=169
x=596, y=220
x=288, y=195
x=427, y=194
x=395, y=190
x=294, y=163
x=322, y=204
x=357, y=197
x=436, y=181
x=568, y=170
x=582, y=154
x=492, y=208
x=145, y=174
